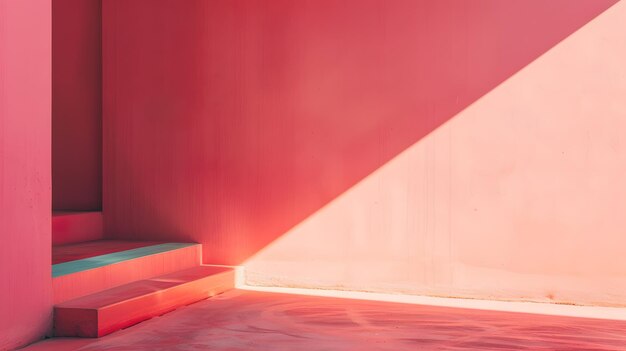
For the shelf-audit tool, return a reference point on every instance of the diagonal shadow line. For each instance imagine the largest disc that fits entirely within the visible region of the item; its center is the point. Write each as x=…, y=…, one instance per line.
x=358, y=105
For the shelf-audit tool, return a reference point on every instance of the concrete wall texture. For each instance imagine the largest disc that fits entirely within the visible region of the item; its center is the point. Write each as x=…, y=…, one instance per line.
x=77, y=105
x=25, y=99
x=427, y=147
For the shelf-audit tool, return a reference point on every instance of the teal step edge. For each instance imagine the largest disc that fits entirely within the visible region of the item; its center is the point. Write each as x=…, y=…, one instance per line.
x=84, y=264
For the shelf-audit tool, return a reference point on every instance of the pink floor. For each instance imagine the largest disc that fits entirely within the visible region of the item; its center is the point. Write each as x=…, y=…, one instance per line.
x=242, y=320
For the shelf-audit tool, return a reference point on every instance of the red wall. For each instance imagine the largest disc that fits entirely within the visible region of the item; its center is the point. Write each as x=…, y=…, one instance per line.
x=76, y=105
x=234, y=123
x=25, y=277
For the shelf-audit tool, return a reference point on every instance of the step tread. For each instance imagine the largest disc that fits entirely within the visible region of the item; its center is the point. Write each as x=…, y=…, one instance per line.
x=142, y=288
x=107, y=311
x=87, y=249
x=128, y=263
x=88, y=263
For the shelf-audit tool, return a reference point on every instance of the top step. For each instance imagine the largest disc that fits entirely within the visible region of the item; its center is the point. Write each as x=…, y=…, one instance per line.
x=85, y=268
x=80, y=251
x=75, y=226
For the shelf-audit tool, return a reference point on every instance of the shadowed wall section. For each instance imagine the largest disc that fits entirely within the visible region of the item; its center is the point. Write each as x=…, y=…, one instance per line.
x=77, y=105
x=25, y=293
x=233, y=123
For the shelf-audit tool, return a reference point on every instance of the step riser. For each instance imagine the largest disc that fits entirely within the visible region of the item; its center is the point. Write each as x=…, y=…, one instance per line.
x=76, y=227
x=91, y=323
x=87, y=282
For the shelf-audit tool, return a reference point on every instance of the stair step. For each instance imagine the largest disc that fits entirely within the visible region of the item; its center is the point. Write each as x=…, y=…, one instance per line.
x=72, y=227
x=102, y=313
x=129, y=262
x=79, y=251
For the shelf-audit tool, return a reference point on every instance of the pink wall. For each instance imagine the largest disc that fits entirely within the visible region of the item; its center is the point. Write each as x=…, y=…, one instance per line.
x=238, y=124
x=76, y=105
x=25, y=277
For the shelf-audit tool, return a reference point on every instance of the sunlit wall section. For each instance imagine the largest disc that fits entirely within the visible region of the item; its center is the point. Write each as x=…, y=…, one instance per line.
x=519, y=196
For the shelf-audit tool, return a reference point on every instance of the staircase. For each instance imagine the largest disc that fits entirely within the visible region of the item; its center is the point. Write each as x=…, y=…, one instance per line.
x=103, y=286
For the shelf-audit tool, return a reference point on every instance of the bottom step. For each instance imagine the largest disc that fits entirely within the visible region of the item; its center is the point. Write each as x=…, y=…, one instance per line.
x=102, y=313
